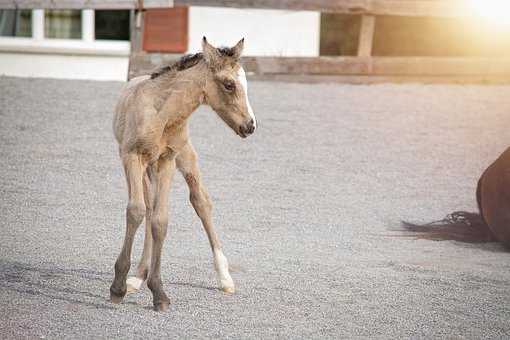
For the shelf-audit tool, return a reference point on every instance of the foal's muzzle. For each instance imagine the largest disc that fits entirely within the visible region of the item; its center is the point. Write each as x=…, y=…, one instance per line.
x=247, y=128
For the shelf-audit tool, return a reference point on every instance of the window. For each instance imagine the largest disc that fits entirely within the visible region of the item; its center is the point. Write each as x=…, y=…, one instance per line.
x=62, y=24
x=16, y=23
x=112, y=25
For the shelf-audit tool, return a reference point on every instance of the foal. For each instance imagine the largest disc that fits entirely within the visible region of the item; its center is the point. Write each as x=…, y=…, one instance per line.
x=151, y=127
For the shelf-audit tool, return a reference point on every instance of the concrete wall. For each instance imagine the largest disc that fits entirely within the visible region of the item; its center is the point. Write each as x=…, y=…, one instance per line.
x=63, y=66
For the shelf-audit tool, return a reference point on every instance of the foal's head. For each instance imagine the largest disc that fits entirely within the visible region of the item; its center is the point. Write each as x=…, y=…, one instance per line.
x=226, y=89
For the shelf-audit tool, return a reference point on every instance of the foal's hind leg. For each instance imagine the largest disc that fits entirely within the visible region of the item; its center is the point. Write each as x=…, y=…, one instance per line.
x=135, y=212
x=134, y=283
x=188, y=166
x=159, y=223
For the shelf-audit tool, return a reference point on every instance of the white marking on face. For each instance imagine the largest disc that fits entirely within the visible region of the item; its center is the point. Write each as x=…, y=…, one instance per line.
x=241, y=75
x=221, y=265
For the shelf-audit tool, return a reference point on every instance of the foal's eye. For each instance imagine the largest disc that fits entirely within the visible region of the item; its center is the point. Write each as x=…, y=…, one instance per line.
x=229, y=86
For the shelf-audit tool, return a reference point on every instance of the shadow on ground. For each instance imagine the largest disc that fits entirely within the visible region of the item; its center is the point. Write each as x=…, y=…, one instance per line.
x=54, y=283
x=66, y=284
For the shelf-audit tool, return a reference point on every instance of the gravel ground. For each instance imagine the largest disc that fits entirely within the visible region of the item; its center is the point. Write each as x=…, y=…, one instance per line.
x=305, y=209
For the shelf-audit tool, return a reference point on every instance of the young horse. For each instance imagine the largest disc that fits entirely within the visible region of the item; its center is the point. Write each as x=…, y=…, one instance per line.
x=493, y=221
x=151, y=127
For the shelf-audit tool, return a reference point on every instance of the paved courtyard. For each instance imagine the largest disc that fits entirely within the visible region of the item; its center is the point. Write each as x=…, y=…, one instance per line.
x=305, y=208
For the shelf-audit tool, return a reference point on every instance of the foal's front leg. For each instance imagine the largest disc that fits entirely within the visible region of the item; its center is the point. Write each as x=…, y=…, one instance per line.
x=135, y=213
x=188, y=166
x=160, y=183
x=134, y=283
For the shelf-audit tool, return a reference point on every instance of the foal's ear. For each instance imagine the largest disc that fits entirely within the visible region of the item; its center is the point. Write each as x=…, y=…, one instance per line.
x=238, y=49
x=211, y=54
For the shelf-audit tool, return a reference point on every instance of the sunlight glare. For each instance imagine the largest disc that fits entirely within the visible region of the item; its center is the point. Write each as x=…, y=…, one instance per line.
x=497, y=11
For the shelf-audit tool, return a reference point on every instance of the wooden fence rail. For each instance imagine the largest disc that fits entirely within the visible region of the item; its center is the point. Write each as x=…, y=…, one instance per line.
x=143, y=63
x=440, y=8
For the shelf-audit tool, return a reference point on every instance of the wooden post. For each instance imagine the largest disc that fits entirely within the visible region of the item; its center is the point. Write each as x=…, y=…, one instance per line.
x=136, y=30
x=136, y=24
x=366, y=36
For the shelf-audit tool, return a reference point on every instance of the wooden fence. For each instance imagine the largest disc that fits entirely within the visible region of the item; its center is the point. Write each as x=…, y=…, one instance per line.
x=361, y=68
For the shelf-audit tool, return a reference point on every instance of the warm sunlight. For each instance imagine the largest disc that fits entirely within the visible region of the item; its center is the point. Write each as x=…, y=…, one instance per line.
x=497, y=11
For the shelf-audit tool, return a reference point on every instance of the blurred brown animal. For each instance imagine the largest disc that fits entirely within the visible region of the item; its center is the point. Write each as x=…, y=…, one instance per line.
x=490, y=224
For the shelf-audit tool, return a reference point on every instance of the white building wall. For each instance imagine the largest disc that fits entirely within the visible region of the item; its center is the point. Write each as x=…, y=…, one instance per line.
x=266, y=32
x=63, y=66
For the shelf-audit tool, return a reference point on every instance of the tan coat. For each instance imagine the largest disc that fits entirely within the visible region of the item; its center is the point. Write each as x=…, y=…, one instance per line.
x=151, y=128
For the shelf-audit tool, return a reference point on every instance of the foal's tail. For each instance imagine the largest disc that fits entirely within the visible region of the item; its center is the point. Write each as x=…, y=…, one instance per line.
x=460, y=226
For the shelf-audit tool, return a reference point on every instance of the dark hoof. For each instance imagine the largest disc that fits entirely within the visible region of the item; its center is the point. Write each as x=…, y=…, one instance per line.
x=161, y=306
x=116, y=296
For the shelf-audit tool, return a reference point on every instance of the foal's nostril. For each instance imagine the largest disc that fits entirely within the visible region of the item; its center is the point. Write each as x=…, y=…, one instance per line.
x=250, y=127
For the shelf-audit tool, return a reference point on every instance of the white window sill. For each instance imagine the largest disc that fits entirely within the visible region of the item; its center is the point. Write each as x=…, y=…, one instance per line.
x=65, y=46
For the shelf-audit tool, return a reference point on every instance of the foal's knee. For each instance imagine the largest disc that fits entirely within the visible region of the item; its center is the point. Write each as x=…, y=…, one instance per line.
x=159, y=225
x=135, y=213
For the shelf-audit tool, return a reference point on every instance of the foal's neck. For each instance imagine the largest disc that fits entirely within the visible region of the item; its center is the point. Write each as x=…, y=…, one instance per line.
x=182, y=93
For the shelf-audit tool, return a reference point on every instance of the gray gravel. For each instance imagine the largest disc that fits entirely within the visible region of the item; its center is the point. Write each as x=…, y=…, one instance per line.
x=305, y=209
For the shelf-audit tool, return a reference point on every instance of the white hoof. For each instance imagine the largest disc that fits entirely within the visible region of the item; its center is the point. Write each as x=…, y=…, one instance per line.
x=221, y=265
x=227, y=286
x=133, y=284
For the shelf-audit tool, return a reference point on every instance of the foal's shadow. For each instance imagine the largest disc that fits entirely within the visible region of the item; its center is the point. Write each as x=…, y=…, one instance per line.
x=74, y=285
x=80, y=286
x=193, y=285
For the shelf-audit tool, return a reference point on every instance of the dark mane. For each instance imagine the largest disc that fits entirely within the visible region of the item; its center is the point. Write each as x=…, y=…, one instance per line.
x=189, y=60
x=185, y=62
